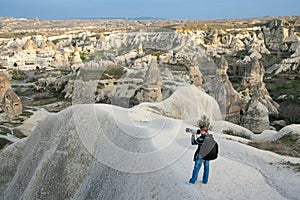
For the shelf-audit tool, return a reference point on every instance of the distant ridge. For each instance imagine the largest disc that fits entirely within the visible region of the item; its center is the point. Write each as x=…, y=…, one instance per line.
x=122, y=18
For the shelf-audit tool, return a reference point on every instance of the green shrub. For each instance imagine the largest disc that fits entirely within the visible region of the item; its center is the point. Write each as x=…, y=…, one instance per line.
x=204, y=121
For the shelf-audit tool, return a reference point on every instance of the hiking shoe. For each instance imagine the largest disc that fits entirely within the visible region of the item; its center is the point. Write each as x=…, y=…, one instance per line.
x=189, y=183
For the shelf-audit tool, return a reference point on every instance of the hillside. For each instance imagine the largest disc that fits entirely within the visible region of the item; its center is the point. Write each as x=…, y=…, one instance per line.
x=106, y=152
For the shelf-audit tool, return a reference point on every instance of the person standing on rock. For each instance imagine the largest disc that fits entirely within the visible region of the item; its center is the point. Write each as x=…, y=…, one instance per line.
x=198, y=159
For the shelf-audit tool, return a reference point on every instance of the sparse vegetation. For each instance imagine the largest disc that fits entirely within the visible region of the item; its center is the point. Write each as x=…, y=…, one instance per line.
x=234, y=133
x=285, y=89
x=18, y=74
x=83, y=56
x=204, y=121
x=26, y=113
x=295, y=166
x=115, y=71
x=288, y=145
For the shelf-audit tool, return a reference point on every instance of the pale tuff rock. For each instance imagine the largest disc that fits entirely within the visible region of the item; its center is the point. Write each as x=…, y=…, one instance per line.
x=292, y=44
x=290, y=129
x=292, y=40
x=57, y=84
x=232, y=101
x=152, y=83
x=61, y=60
x=253, y=80
x=187, y=102
x=11, y=104
x=255, y=54
x=254, y=74
x=152, y=75
x=238, y=107
x=154, y=78
x=237, y=44
x=196, y=76
x=289, y=64
x=257, y=44
x=9, y=101
x=126, y=58
x=279, y=38
x=4, y=85
x=65, y=160
x=30, y=46
x=275, y=35
x=76, y=62
x=255, y=116
x=166, y=57
x=220, y=42
x=140, y=50
x=76, y=58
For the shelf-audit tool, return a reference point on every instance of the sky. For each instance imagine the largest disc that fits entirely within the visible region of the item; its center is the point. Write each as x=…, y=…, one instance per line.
x=166, y=9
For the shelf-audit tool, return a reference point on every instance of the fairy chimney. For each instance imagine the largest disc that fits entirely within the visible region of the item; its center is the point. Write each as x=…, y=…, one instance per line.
x=152, y=82
x=4, y=85
x=12, y=105
x=9, y=101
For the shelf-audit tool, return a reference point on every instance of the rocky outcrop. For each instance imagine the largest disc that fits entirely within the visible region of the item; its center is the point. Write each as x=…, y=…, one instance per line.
x=152, y=83
x=156, y=63
x=156, y=71
x=9, y=101
x=76, y=62
x=232, y=101
x=177, y=106
x=11, y=104
x=61, y=61
x=255, y=116
x=253, y=81
x=196, y=76
x=30, y=46
x=65, y=159
x=252, y=105
x=4, y=85
x=107, y=152
x=291, y=64
x=279, y=36
x=182, y=57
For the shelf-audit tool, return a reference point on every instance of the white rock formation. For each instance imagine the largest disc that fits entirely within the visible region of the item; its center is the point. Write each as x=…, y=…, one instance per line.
x=107, y=152
x=290, y=64
x=187, y=103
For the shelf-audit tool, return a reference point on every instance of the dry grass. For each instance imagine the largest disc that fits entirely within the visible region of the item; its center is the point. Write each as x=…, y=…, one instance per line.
x=288, y=145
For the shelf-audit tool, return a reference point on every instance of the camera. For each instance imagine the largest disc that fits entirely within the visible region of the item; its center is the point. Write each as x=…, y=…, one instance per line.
x=189, y=130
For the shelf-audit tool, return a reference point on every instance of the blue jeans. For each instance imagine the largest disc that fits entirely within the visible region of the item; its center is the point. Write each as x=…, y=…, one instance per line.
x=197, y=167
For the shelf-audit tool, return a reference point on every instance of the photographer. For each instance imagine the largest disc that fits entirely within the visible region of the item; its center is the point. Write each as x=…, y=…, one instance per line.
x=198, y=159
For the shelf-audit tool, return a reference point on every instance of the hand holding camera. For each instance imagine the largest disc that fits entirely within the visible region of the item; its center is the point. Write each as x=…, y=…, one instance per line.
x=193, y=131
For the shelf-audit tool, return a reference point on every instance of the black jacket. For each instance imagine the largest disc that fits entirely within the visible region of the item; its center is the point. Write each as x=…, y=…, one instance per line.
x=199, y=141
